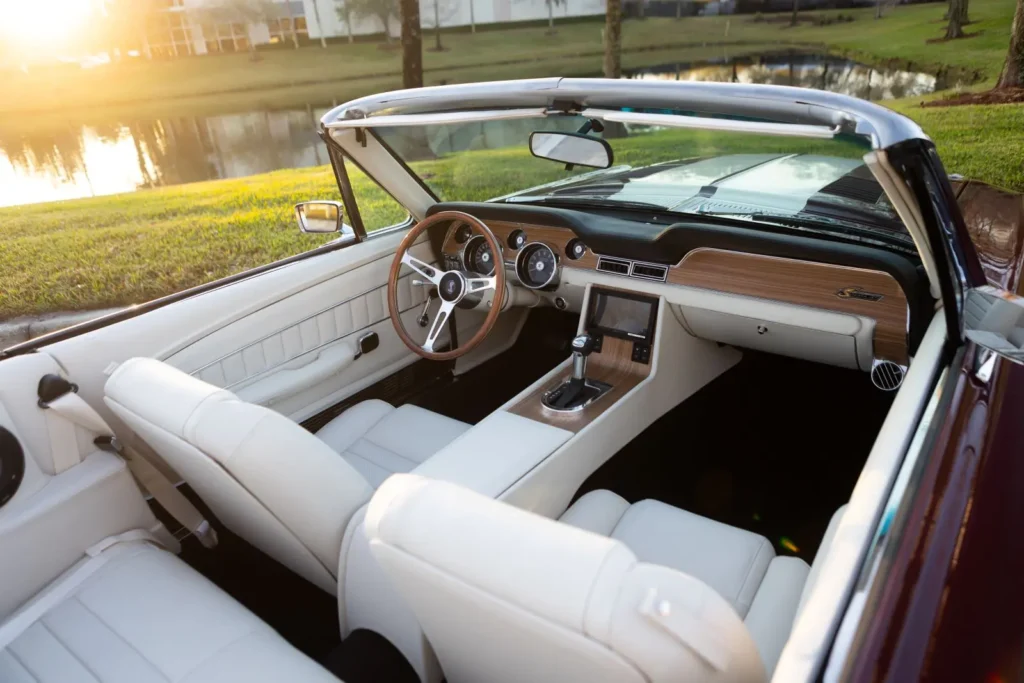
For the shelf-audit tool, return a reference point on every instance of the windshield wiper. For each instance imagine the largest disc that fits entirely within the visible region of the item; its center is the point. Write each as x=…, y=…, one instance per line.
x=595, y=202
x=821, y=224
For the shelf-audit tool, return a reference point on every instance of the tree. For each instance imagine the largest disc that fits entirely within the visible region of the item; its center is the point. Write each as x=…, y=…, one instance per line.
x=291, y=24
x=412, y=44
x=613, y=39
x=442, y=11
x=957, y=19
x=319, y=24
x=1012, y=75
x=344, y=11
x=246, y=12
x=381, y=10
x=472, y=18
x=796, y=10
x=551, y=14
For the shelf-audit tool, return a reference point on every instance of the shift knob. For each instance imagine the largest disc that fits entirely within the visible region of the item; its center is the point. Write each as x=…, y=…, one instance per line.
x=582, y=346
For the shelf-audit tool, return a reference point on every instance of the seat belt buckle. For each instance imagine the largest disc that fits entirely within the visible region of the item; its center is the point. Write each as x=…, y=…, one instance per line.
x=204, y=533
x=110, y=444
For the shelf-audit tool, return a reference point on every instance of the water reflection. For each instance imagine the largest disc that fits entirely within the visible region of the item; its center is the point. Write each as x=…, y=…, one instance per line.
x=88, y=158
x=63, y=162
x=821, y=72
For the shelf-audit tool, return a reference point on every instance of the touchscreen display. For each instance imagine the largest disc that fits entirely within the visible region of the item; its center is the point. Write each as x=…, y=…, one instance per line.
x=629, y=317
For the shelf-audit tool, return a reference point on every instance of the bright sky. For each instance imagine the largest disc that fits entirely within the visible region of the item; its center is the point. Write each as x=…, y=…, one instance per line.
x=44, y=27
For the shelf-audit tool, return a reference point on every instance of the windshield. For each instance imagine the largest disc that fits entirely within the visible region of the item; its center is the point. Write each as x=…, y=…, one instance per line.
x=817, y=185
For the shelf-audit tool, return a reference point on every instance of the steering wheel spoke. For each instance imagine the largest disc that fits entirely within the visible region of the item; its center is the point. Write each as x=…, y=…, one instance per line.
x=436, y=327
x=475, y=285
x=425, y=269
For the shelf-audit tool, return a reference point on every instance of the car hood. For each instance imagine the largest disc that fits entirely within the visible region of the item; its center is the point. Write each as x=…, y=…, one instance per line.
x=779, y=184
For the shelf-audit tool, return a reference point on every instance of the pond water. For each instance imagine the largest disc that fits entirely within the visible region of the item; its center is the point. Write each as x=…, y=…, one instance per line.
x=41, y=163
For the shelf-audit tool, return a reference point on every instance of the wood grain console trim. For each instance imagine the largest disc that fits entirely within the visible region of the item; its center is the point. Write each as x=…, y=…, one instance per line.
x=804, y=283
x=613, y=365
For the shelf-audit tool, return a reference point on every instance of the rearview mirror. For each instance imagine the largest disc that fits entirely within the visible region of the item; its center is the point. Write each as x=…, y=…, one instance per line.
x=573, y=149
x=319, y=217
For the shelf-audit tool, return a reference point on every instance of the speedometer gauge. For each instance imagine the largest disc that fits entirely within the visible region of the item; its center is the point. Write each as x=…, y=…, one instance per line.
x=536, y=266
x=477, y=256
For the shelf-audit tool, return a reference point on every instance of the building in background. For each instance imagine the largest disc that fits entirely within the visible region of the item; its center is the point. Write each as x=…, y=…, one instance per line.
x=179, y=28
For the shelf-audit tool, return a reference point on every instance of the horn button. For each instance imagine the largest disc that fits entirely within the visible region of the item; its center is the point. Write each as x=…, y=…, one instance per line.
x=451, y=287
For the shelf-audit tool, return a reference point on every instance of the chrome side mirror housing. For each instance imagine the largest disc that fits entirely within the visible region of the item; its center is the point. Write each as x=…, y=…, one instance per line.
x=320, y=217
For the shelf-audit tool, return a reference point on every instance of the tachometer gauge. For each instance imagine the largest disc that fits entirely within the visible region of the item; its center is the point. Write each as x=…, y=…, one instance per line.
x=477, y=256
x=536, y=266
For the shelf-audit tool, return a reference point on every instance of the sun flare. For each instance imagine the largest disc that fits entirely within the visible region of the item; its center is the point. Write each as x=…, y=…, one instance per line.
x=45, y=27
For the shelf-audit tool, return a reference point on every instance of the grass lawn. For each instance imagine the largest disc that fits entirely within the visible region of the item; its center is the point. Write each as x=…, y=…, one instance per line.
x=106, y=251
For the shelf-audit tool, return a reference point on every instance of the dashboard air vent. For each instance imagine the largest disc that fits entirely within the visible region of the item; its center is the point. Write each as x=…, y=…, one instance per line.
x=613, y=265
x=650, y=271
x=886, y=375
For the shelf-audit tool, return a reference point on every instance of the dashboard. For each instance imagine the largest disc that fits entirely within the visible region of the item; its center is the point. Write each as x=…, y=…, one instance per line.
x=883, y=290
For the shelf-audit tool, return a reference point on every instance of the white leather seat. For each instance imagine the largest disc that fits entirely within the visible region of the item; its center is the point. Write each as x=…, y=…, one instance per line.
x=145, y=616
x=765, y=590
x=267, y=479
x=379, y=440
x=652, y=593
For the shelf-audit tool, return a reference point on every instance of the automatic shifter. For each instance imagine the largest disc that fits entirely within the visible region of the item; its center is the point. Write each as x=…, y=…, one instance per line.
x=575, y=393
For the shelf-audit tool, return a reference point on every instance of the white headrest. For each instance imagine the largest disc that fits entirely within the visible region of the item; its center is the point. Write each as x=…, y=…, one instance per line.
x=666, y=624
x=162, y=394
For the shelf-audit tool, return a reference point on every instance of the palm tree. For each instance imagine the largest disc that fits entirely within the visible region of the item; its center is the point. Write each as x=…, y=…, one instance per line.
x=344, y=11
x=796, y=10
x=319, y=25
x=1012, y=75
x=412, y=44
x=551, y=14
x=613, y=39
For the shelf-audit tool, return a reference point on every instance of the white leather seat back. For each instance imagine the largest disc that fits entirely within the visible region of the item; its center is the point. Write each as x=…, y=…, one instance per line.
x=506, y=595
x=263, y=476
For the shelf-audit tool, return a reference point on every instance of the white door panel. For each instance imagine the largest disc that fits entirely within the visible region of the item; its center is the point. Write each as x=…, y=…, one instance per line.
x=295, y=308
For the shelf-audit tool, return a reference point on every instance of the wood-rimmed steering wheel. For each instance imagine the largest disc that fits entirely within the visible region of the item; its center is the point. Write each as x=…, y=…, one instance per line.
x=452, y=286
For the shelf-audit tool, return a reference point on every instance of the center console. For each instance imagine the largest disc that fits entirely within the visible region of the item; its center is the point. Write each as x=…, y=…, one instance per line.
x=632, y=361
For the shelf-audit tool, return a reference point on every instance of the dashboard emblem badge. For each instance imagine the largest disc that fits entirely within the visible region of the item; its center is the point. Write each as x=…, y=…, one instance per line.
x=858, y=293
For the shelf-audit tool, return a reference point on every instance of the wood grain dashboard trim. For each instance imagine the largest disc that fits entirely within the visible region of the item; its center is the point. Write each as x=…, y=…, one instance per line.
x=613, y=365
x=805, y=283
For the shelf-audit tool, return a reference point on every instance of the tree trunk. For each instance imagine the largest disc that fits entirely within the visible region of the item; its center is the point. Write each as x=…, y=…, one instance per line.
x=472, y=18
x=348, y=24
x=551, y=16
x=412, y=45
x=319, y=26
x=613, y=39
x=437, y=27
x=291, y=23
x=1012, y=75
x=796, y=12
x=641, y=10
x=679, y=9
x=878, y=9
x=955, y=27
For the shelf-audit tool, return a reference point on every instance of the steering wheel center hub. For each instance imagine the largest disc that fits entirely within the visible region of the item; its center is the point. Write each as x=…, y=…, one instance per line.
x=452, y=287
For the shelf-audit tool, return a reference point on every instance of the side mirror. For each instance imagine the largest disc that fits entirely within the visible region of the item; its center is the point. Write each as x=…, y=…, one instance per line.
x=319, y=217
x=995, y=321
x=573, y=149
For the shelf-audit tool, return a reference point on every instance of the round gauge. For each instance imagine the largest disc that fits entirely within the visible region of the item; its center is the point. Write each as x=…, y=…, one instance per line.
x=517, y=240
x=575, y=249
x=536, y=265
x=463, y=233
x=477, y=256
